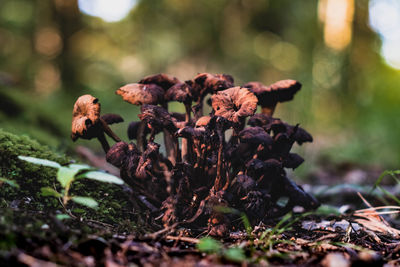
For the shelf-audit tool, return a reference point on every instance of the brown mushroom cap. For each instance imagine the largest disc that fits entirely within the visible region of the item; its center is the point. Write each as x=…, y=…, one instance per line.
x=280, y=91
x=158, y=118
x=181, y=92
x=234, y=104
x=86, y=113
x=203, y=121
x=205, y=83
x=255, y=135
x=163, y=80
x=139, y=94
x=111, y=118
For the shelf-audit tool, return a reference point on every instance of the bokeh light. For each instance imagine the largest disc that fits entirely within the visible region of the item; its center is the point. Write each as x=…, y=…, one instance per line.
x=109, y=11
x=384, y=18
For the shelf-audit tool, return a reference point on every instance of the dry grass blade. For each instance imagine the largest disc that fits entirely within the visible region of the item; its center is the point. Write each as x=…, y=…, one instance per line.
x=372, y=220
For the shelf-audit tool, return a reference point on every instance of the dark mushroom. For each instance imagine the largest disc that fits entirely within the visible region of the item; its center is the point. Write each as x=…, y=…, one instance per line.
x=140, y=94
x=182, y=92
x=110, y=118
x=163, y=80
x=269, y=96
x=157, y=118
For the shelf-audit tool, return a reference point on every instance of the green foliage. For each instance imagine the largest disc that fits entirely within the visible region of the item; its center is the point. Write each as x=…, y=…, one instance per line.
x=235, y=254
x=66, y=175
x=211, y=246
x=9, y=182
x=394, y=175
x=86, y=201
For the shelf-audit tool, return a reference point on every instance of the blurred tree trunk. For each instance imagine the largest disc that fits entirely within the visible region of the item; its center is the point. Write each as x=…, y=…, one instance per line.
x=67, y=17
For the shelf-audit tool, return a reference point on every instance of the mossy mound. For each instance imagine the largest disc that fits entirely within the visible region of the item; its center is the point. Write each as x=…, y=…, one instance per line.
x=114, y=206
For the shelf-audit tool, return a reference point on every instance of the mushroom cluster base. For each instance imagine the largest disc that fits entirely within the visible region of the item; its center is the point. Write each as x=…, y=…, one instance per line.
x=208, y=179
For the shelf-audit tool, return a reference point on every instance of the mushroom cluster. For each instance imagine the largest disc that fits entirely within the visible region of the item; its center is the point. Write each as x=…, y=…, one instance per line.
x=207, y=172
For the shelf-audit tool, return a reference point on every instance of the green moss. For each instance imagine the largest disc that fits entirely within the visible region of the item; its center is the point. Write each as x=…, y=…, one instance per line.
x=114, y=205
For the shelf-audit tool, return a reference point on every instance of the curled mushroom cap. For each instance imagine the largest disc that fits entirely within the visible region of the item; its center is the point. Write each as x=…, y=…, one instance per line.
x=86, y=113
x=181, y=92
x=234, y=104
x=163, y=80
x=158, y=118
x=255, y=135
x=280, y=91
x=205, y=83
x=139, y=94
x=111, y=118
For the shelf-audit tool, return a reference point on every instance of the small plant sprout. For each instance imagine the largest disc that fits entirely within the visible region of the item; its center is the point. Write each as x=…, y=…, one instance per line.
x=66, y=176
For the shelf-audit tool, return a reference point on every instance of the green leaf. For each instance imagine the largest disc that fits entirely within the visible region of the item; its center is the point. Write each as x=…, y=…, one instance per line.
x=102, y=177
x=79, y=166
x=209, y=245
x=390, y=195
x=246, y=223
x=235, y=254
x=66, y=175
x=9, y=182
x=328, y=210
x=78, y=210
x=43, y=162
x=86, y=201
x=48, y=191
x=63, y=217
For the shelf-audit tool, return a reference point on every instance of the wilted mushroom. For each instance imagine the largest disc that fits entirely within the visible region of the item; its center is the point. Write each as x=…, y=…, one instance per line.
x=182, y=92
x=163, y=80
x=157, y=118
x=140, y=94
x=234, y=104
x=87, y=123
x=269, y=96
x=205, y=83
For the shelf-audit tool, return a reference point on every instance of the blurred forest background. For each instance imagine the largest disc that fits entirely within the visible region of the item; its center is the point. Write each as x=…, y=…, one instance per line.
x=344, y=52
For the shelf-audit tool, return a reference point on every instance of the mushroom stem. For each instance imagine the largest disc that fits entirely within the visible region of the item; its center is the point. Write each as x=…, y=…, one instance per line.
x=171, y=146
x=141, y=136
x=186, y=142
x=268, y=110
x=103, y=141
x=219, y=160
x=152, y=135
x=108, y=131
x=199, y=109
x=169, y=142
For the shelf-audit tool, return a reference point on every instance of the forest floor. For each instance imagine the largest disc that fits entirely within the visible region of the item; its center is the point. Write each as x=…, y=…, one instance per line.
x=338, y=234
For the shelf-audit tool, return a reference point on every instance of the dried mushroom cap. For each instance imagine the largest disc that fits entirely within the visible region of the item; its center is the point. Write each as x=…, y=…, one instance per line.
x=86, y=113
x=120, y=152
x=255, y=135
x=203, y=121
x=205, y=83
x=181, y=92
x=260, y=120
x=190, y=132
x=110, y=118
x=234, y=104
x=280, y=91
x=139, y=94
x=293, y=161
x=158, y=118
x=163, y=80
